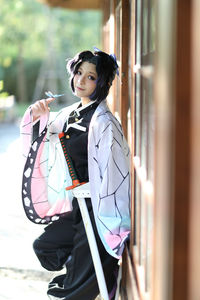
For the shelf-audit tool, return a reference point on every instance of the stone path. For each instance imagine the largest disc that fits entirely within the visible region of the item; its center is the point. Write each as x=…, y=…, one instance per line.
x=21, y=276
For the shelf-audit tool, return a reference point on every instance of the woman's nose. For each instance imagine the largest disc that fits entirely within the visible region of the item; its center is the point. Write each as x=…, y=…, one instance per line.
x=81, y=80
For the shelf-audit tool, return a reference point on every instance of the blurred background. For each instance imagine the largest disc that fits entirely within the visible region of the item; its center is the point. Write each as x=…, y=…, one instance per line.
x=35, y=41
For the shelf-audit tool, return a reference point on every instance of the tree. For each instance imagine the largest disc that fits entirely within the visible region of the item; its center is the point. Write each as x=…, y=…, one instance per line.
x=25, y=35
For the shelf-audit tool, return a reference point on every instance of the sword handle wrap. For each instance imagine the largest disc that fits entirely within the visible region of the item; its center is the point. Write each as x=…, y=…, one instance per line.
x=72, y=172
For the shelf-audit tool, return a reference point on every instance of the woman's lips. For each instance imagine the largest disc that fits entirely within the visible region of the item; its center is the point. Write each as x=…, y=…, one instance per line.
x=80, y=89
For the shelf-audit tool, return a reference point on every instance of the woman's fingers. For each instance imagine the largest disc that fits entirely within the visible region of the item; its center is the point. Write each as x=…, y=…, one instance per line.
x=41, y=107
x=49, y=100
x=44, y=103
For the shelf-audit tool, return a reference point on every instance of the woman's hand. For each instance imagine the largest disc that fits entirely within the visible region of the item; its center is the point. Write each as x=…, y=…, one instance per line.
x=40, y=107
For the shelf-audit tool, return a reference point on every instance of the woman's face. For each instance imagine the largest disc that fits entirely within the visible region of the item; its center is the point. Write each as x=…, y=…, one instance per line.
x=85, y=81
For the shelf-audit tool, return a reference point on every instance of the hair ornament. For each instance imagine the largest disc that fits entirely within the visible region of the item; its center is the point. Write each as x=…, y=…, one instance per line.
x=113, y=56
x=97, y=49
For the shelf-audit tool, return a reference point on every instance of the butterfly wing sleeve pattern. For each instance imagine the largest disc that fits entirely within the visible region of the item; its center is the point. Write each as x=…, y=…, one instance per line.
x=109, y=180
x=45, y=173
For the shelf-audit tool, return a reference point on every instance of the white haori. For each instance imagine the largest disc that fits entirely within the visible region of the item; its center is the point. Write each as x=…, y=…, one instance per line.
x=108, y=167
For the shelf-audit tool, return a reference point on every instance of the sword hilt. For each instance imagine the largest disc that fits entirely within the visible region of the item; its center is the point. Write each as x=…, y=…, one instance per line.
x=72, y=172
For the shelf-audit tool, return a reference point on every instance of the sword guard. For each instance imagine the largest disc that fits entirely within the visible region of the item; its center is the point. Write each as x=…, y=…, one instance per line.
x=75, y=184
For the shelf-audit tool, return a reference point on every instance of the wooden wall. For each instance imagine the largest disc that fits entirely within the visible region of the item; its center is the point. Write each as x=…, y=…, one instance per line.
x=175, y=101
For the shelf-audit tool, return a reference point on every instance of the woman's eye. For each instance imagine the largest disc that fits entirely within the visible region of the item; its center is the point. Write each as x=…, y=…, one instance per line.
x=78, y=72
x=91, y=77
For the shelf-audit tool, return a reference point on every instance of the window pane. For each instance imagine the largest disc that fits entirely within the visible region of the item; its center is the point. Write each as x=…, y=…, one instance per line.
x=145, y=24
x=144, y=136
x=152, y=26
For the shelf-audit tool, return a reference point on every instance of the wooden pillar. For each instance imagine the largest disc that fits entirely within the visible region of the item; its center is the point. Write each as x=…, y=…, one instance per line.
x=173, y=151
x=194, y=231
x=124, y=58
x=182, y=150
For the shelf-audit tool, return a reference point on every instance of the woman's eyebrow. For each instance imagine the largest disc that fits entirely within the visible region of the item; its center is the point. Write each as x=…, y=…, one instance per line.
x=93, y=73
x=90, y=72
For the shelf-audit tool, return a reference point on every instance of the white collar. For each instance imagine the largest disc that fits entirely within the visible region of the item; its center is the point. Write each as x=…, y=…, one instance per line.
x=82, y=107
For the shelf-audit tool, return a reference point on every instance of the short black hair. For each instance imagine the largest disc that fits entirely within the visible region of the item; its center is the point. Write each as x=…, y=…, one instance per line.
x=106, y=68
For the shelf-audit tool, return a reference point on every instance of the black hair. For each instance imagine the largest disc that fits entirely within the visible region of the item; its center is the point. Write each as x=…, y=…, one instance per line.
x=106, y=68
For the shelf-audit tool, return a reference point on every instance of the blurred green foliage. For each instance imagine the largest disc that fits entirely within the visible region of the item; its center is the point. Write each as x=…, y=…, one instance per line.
x=2, y=94
x=33, y=34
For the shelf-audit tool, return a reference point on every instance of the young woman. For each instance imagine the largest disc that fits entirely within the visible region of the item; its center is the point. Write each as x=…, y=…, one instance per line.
x=94, y=141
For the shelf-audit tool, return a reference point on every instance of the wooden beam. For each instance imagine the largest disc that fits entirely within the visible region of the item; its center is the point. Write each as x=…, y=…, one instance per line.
x=182, y=150
x=124, y=105
x=74, y=4
x=194, y=242
x=173, y=151
x=164, y=77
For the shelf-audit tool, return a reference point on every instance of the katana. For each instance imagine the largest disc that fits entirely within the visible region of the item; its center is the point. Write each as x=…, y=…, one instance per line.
x=81, y=190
